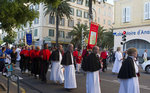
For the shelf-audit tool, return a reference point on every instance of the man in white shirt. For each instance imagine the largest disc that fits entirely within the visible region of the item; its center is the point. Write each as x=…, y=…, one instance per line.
x=145, y=56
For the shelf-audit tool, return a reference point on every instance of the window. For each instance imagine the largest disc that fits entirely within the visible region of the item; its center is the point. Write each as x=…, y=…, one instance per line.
x=61, y=34
x=79, y=13
x=72, y=0
x=87, y=3
x=18, y=35
x=72, y=11
x=68, y=35
x=62, y=22
x=51, y=32
x=36, y=7
x=36, y=32
x=36, y=21
x=51, y=20
x=109, y=22
x=31, y=7
x=80, y=2
x=126, y=15
x=109, y=11
x=86, y=15
x=22, y=35
x=104, y=21
x=147, y=10
x=70, y=23
x=99, y=10
x=98, y=20
x=86, y=23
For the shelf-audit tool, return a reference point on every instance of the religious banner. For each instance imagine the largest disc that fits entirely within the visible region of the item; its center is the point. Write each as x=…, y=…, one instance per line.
x=29, y=39
x=92, y=40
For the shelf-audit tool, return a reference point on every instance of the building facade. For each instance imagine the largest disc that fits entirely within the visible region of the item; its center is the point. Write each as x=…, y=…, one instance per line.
x=132, y=16
x=45, y=26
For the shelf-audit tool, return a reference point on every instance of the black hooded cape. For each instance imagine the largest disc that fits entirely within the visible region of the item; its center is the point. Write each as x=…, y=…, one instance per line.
x=127, y=70
x=66, y=60
x=92, y=63
x=55, y=55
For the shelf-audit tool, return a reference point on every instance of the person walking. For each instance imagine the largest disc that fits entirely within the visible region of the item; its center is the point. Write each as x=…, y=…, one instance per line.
x=129, y=73
x=118, y=61
x=2, y=59
x=45, y=55
x=56, y=74
x=13, y=56
x=92, y=67
x=68, y=63
x=145, y=56
x=104, y=57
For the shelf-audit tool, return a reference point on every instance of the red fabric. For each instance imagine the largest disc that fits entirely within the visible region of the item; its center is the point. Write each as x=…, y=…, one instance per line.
x=84, y=52
x=79, y=59
x=32, y=54
x=104, y=55
x=26, y=53
x=37, y=53
x=75, y=54
x=93, y=29
x=21, y=53
x=45, y=53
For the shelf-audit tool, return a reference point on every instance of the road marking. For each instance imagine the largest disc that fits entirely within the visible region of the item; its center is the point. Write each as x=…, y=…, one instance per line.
x=116, y=81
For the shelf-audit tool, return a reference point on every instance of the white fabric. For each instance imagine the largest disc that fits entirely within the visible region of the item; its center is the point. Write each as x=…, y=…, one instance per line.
x=145, y=56
x=70, y=78
x=93, y=82
x=18, y=50
x=78, y=66
x=8, y=59
x=118, y=62
x=130, y=85
x=56, y=74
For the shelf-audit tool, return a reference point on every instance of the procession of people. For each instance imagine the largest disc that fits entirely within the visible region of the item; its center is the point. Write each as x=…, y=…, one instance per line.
x=65, y=65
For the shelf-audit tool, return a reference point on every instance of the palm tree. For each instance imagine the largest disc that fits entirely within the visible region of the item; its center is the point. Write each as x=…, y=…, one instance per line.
x=76, y=34
x=100, y=38
x=90, y=9
x=63, y=9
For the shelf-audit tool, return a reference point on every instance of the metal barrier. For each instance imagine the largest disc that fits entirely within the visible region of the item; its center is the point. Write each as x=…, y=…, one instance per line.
x=14, y=78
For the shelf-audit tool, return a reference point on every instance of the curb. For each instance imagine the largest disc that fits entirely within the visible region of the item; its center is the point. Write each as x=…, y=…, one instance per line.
x=3, y=86
x=22, y=89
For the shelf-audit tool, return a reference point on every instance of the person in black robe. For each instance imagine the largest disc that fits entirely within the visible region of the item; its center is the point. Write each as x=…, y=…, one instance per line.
x=129, y=73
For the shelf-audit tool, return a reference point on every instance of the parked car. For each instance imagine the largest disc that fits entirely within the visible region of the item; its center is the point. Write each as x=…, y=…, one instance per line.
x=146, y=66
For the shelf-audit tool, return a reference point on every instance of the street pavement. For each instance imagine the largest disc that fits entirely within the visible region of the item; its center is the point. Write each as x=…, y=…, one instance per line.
x=109, y=83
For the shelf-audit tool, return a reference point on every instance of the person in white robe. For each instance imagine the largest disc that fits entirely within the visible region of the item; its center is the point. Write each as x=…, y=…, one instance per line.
x=129, y=73
x=57, y=75
x=69, y=74
x=118, y=61
x=145, y=56
x=92, y=77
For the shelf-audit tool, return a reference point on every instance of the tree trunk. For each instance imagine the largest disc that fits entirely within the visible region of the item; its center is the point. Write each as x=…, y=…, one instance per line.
x=90, y=12
x=57, y=30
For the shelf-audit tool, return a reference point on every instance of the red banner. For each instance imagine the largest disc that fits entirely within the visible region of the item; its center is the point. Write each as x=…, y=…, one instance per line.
x=92, y=40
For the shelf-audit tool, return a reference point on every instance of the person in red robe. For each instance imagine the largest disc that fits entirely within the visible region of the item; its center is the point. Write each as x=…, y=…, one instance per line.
x=75, y=55
x=32, y=59
x=78, y=64
x=26, y=59
x=22, y=62
x=37, y=61
x=104, y=57
x=45, y=55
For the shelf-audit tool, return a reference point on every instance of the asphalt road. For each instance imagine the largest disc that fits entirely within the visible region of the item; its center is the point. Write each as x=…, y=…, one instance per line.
x=109, y=83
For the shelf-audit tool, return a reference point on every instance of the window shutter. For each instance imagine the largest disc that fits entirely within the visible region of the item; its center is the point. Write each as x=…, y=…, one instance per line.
x=124, y=15
x=146, y=10
x=128, y=14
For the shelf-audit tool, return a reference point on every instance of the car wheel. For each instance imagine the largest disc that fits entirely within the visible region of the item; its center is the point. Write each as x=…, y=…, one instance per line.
x=148, y=69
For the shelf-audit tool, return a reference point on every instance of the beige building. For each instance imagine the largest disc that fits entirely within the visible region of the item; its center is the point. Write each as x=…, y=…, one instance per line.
x=45, y=26
x=132, y=16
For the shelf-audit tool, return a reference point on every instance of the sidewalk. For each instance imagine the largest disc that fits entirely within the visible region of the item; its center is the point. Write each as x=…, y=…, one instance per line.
x=12, y=85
